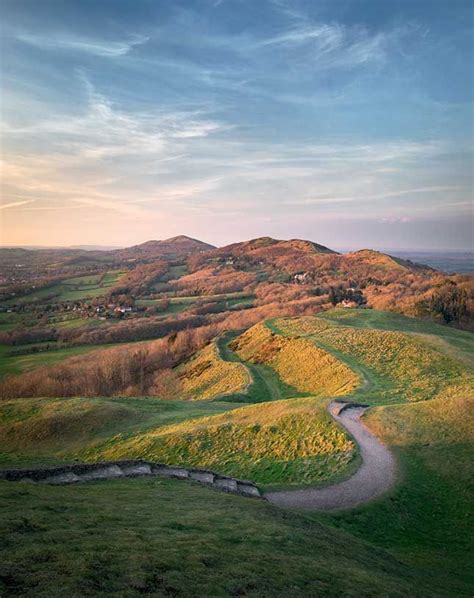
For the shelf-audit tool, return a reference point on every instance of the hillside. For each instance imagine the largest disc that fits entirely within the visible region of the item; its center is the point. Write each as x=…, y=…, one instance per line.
x=418, y=377
x=172, y=247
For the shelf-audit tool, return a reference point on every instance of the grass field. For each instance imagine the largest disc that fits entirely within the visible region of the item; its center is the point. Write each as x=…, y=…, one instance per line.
x=16, y=364
x=73, y=289
x=9, y=321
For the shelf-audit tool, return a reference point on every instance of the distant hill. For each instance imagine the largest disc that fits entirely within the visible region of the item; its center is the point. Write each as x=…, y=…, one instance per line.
x=299, y=256
x=383, y=261
x=288, y=256
x=266, y=247
x=175, y=246
x=263, y=270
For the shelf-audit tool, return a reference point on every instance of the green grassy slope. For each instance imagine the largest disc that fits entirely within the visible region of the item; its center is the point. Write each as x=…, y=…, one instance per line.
x=396, y=366
x=171, y=538
x=16, y=364
x=427, y=520
x=284, y=442
x=456, y=343
x=57, y=430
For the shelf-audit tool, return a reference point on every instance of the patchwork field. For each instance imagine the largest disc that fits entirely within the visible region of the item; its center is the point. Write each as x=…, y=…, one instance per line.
x=73, y=289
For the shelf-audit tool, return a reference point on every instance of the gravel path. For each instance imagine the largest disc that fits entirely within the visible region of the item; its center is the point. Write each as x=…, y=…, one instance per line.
x=374, y=477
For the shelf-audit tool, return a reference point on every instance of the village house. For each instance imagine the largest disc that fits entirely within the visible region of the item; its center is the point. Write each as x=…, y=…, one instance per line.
x=347, y=303
x=302, y=278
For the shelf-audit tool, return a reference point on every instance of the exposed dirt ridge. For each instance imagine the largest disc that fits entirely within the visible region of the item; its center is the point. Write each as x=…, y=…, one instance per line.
x=85, y=472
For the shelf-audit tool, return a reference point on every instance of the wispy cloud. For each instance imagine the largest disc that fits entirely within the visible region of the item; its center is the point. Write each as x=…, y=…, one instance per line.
x=104, y=131
x=386, y=195
x=15, y=204
x=97, y=47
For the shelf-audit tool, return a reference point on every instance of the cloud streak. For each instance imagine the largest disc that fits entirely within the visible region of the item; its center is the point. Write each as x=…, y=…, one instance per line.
x=15, y=204
x=103, y=48
x=333, y=45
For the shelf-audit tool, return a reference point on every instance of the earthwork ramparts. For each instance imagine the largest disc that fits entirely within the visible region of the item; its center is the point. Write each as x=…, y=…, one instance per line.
x=85, y=472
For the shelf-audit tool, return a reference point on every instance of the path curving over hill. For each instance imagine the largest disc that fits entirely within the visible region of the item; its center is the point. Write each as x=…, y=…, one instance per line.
x=373, y=478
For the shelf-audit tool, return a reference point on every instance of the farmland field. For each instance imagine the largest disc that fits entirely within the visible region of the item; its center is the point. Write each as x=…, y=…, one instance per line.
x=73, y=289
x=16, y=364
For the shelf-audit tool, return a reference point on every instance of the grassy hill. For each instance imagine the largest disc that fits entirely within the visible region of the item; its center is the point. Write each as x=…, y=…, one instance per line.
x=175, y=538
x=207, y=376
x=57, y=430
x=297, y=362
x=397, y=366
x=285, y=442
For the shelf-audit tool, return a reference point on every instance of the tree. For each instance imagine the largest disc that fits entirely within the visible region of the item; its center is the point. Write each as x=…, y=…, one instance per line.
x=450, y=302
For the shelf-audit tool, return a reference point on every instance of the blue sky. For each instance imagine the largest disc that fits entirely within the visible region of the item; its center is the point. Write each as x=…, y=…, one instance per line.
x=348, y=122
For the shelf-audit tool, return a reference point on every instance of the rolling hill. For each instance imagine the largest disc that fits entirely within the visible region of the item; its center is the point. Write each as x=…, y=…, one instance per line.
x=416, y=375
x=174, y=247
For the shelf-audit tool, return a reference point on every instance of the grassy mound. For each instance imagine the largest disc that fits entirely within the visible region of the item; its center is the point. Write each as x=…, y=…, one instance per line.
x=39, y=431
x=207, y=376
x=404, y=367
x=297, y=362
x=53, y=423
x=292, y=441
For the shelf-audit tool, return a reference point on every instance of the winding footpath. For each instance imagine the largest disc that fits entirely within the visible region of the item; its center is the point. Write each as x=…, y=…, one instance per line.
x=374, y=477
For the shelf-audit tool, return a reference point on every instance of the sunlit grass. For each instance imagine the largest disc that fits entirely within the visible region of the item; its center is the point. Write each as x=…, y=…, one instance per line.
x=293, y=442
x=297, y=362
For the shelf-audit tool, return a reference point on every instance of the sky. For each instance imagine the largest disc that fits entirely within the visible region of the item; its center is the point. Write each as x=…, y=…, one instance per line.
x=347, y=122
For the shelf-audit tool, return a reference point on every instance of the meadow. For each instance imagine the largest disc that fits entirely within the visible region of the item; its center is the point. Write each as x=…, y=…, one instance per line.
x=13, y=362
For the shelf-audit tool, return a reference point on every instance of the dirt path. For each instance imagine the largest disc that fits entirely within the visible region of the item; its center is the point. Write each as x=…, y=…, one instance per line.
x=374, y=477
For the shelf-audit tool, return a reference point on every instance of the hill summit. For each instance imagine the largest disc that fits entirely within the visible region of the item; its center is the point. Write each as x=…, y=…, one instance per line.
x=179, y=245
